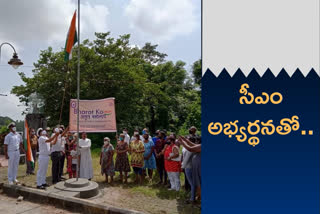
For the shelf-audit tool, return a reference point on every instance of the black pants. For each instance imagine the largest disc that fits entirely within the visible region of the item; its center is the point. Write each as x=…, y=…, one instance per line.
x=56, y=160
x=160, y=167
x=63, y=157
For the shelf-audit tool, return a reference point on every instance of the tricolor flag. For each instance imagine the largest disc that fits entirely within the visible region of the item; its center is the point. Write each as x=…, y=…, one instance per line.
x=27, y=144
x=71, y=38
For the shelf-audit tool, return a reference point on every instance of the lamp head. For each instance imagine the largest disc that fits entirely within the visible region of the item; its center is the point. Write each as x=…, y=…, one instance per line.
x=15, y=61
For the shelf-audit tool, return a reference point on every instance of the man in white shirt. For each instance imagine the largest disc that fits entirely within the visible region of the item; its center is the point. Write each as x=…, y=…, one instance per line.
x=126, y=136
x=43, y=160
x=12, y=146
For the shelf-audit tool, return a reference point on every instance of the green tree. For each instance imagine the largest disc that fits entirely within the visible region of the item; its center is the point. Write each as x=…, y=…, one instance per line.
x=197, y=72
x=149, y=91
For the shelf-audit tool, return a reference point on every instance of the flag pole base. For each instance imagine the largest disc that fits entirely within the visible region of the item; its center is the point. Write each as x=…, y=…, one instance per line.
x=82, y=188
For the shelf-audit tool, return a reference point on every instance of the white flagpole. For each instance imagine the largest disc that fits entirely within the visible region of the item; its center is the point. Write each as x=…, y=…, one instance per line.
x=78, y=89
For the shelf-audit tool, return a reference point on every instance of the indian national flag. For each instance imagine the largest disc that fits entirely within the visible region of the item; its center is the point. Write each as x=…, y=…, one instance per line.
x=27, y=144
x=71, y=38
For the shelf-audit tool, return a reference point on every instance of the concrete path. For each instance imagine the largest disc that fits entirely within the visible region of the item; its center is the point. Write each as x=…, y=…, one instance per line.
x=3, y=161
x=10, y=205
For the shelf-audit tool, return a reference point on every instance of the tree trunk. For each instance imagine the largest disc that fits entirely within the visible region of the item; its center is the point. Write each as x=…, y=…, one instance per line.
x=152, y=123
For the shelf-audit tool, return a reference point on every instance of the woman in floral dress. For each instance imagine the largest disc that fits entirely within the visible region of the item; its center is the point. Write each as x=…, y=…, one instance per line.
x=106, y=159
x=122, y=161
x=137, y=157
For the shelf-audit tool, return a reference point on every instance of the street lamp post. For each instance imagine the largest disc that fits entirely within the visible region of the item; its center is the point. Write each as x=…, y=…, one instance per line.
x=15, y=62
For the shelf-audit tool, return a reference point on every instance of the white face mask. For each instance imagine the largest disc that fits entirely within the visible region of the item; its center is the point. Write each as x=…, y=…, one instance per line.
x=14, y=129
x=56, y=130
x=135, y=133
x=124, y=132
x=106, y=143
x=43, y=133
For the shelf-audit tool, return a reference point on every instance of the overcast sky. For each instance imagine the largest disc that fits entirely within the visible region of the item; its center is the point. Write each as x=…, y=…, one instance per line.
x=34, y=25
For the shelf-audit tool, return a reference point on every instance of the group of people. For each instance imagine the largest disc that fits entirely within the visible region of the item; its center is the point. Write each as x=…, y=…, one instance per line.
x=161, y=152
x=59, y=145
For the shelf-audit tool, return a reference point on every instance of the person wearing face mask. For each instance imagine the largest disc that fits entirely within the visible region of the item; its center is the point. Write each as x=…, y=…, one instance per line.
x=193, y=137
x=126, y=136
x=34, y=148
x=122, y=161
x=172, y=163
x=137, y=157
x=43, y=160
x=149, y=160
x=145, y=131
x=195, y=172
x=135, y=133
x=106, y=160
x=86, y=170
x=12, y=146
x=159, y=146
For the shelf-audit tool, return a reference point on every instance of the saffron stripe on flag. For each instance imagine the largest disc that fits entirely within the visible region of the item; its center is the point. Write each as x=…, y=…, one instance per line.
x=27, y=142
x=71, y=38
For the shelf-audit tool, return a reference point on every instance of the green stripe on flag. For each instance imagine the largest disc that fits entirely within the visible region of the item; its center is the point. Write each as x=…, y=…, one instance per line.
x=66, y=54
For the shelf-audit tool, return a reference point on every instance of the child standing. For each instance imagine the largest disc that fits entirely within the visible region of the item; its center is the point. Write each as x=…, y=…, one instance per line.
x=72, y=158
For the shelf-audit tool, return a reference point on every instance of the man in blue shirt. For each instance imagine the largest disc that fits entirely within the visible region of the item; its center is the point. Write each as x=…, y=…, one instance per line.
x=156, y=137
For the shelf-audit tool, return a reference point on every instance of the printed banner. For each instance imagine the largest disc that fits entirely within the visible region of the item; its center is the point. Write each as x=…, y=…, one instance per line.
x=261, y=143
x=94, y=115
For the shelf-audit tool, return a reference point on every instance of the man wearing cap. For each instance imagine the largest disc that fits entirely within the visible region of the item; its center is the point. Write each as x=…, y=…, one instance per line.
x=12, y=146
x=44, y=153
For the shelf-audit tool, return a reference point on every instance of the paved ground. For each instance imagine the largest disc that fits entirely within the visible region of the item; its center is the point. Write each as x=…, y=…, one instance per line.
x=125, y=197
x=12, y=206
x=3, y=161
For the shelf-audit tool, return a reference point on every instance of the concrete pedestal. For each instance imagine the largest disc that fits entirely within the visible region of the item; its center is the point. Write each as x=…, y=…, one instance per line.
x=82, y=188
